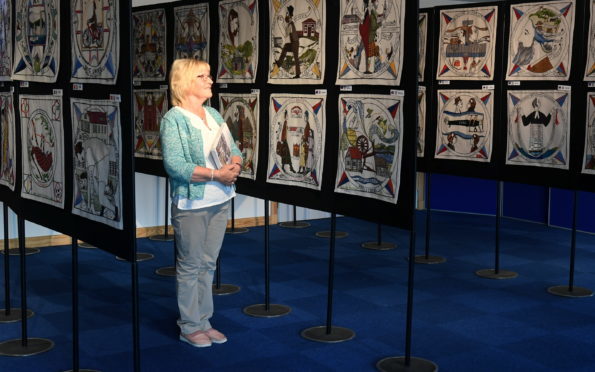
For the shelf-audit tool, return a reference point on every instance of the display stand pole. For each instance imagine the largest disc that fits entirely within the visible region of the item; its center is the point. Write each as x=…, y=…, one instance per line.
x=329, y=333
x=222, y=289
x=379, y=245
x=75, y=311
x=407, y=363
x=135, y=312
x=24, y=346
x=8, y=314
x=496, y=273
x=169, y=270
x=165, y=237
x=233, y=229
x=295, y=224
x=266, y=310
x=426, y=258
x=571, y=290
x=14, y=251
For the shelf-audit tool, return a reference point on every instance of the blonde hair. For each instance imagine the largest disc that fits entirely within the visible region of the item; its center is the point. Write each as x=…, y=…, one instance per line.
x=182, y=74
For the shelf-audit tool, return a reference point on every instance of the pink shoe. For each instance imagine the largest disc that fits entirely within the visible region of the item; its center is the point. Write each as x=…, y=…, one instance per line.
x=196, y=339
x=215, y=336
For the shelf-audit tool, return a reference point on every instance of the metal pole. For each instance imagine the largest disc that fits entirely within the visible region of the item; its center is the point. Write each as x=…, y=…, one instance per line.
x=331, y=274
x=294, y=215
x=233, y=214
x=428, y=213
x=408, y=328
x=266, y=256
x=573, y=241
x=21, y=233
x=75, y=306
x=6, y=262
x=135, y=311
x=498, y=215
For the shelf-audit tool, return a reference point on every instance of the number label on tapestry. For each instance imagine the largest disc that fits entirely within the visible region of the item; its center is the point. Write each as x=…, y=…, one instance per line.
x=136, y=83
x=565, y=88
x=346, y=88
x=320, y=92
x=488, y=87
x=163, y=87
x=24, y=84
x=255, y=91
x=57, y=92
x=397, y=92
x=77, y=86
x=592, y=84
x=223, y=86
x=444, y=82
x=115, y=98
x=514, y=83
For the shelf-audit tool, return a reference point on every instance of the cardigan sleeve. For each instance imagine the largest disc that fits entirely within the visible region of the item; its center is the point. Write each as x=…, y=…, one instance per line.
x=174, y=160
x=235, y=151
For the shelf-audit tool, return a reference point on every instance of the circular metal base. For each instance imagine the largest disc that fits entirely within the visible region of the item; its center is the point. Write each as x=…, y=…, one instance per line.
x=14, y=315
x=398, y=364
x=166, y=271
x=34, y=346
x=141, y=256
x=383, y=246
x=162, y=237
x=564, y=290
x=225, y=289
x=338, y=334
x=17, y=251
x=491, y=274
x=236, y=230
x=294, y=224
x=84, y=370
x=86, y=245
x=327, y=234
x=430, y=260
x=260, y=311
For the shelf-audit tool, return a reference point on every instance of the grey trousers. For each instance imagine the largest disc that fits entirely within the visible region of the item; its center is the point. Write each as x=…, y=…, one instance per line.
x=199, y=235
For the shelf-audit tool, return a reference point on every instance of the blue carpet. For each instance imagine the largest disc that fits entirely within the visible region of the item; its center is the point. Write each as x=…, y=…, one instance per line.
x=461, y=322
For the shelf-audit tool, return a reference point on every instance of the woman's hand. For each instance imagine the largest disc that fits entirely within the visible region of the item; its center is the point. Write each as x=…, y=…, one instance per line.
x=228, y=174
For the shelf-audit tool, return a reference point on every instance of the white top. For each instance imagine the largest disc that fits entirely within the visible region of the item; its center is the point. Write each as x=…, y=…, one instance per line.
x=215, y=192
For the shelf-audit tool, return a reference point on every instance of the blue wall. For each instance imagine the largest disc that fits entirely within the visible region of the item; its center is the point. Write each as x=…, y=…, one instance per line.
x=528, y=202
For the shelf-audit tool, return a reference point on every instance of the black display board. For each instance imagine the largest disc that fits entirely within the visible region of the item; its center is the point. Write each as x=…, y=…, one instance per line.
x=497, y=169
x=116, y=241
x=546, y=176
x=488, y=170
x=325, y=199
x=583, y=181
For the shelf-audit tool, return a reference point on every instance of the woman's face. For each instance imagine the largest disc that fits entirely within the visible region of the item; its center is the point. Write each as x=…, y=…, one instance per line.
x=201, y=85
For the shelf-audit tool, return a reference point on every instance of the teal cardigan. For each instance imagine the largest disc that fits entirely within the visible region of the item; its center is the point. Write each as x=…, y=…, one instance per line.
x=182, y=147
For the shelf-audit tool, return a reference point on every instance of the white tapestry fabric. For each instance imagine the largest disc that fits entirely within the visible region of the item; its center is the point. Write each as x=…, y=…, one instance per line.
x=589, y=154
x=370, y=146
x=590, y=66
x=371, y=41
x=422, y=40
x=42, y=139
x=95, y=38
x=149, y=107
x=538, y=128
x=238, y=41
x=464, y=129
x=192, y=31
x=5, y=40
x=149, y=61
x=296, y=139
x=37, y=41
x=242, y=115
x=421, y=120
x=467, y=43
x=7, y=139
x=540, y=40
x=297, y=41
x=97, y=161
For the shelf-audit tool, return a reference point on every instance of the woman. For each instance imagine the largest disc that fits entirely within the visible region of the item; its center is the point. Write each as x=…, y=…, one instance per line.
x=200, y=195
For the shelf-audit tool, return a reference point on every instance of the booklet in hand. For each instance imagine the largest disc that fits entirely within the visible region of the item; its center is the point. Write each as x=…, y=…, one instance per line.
x=221, y=148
